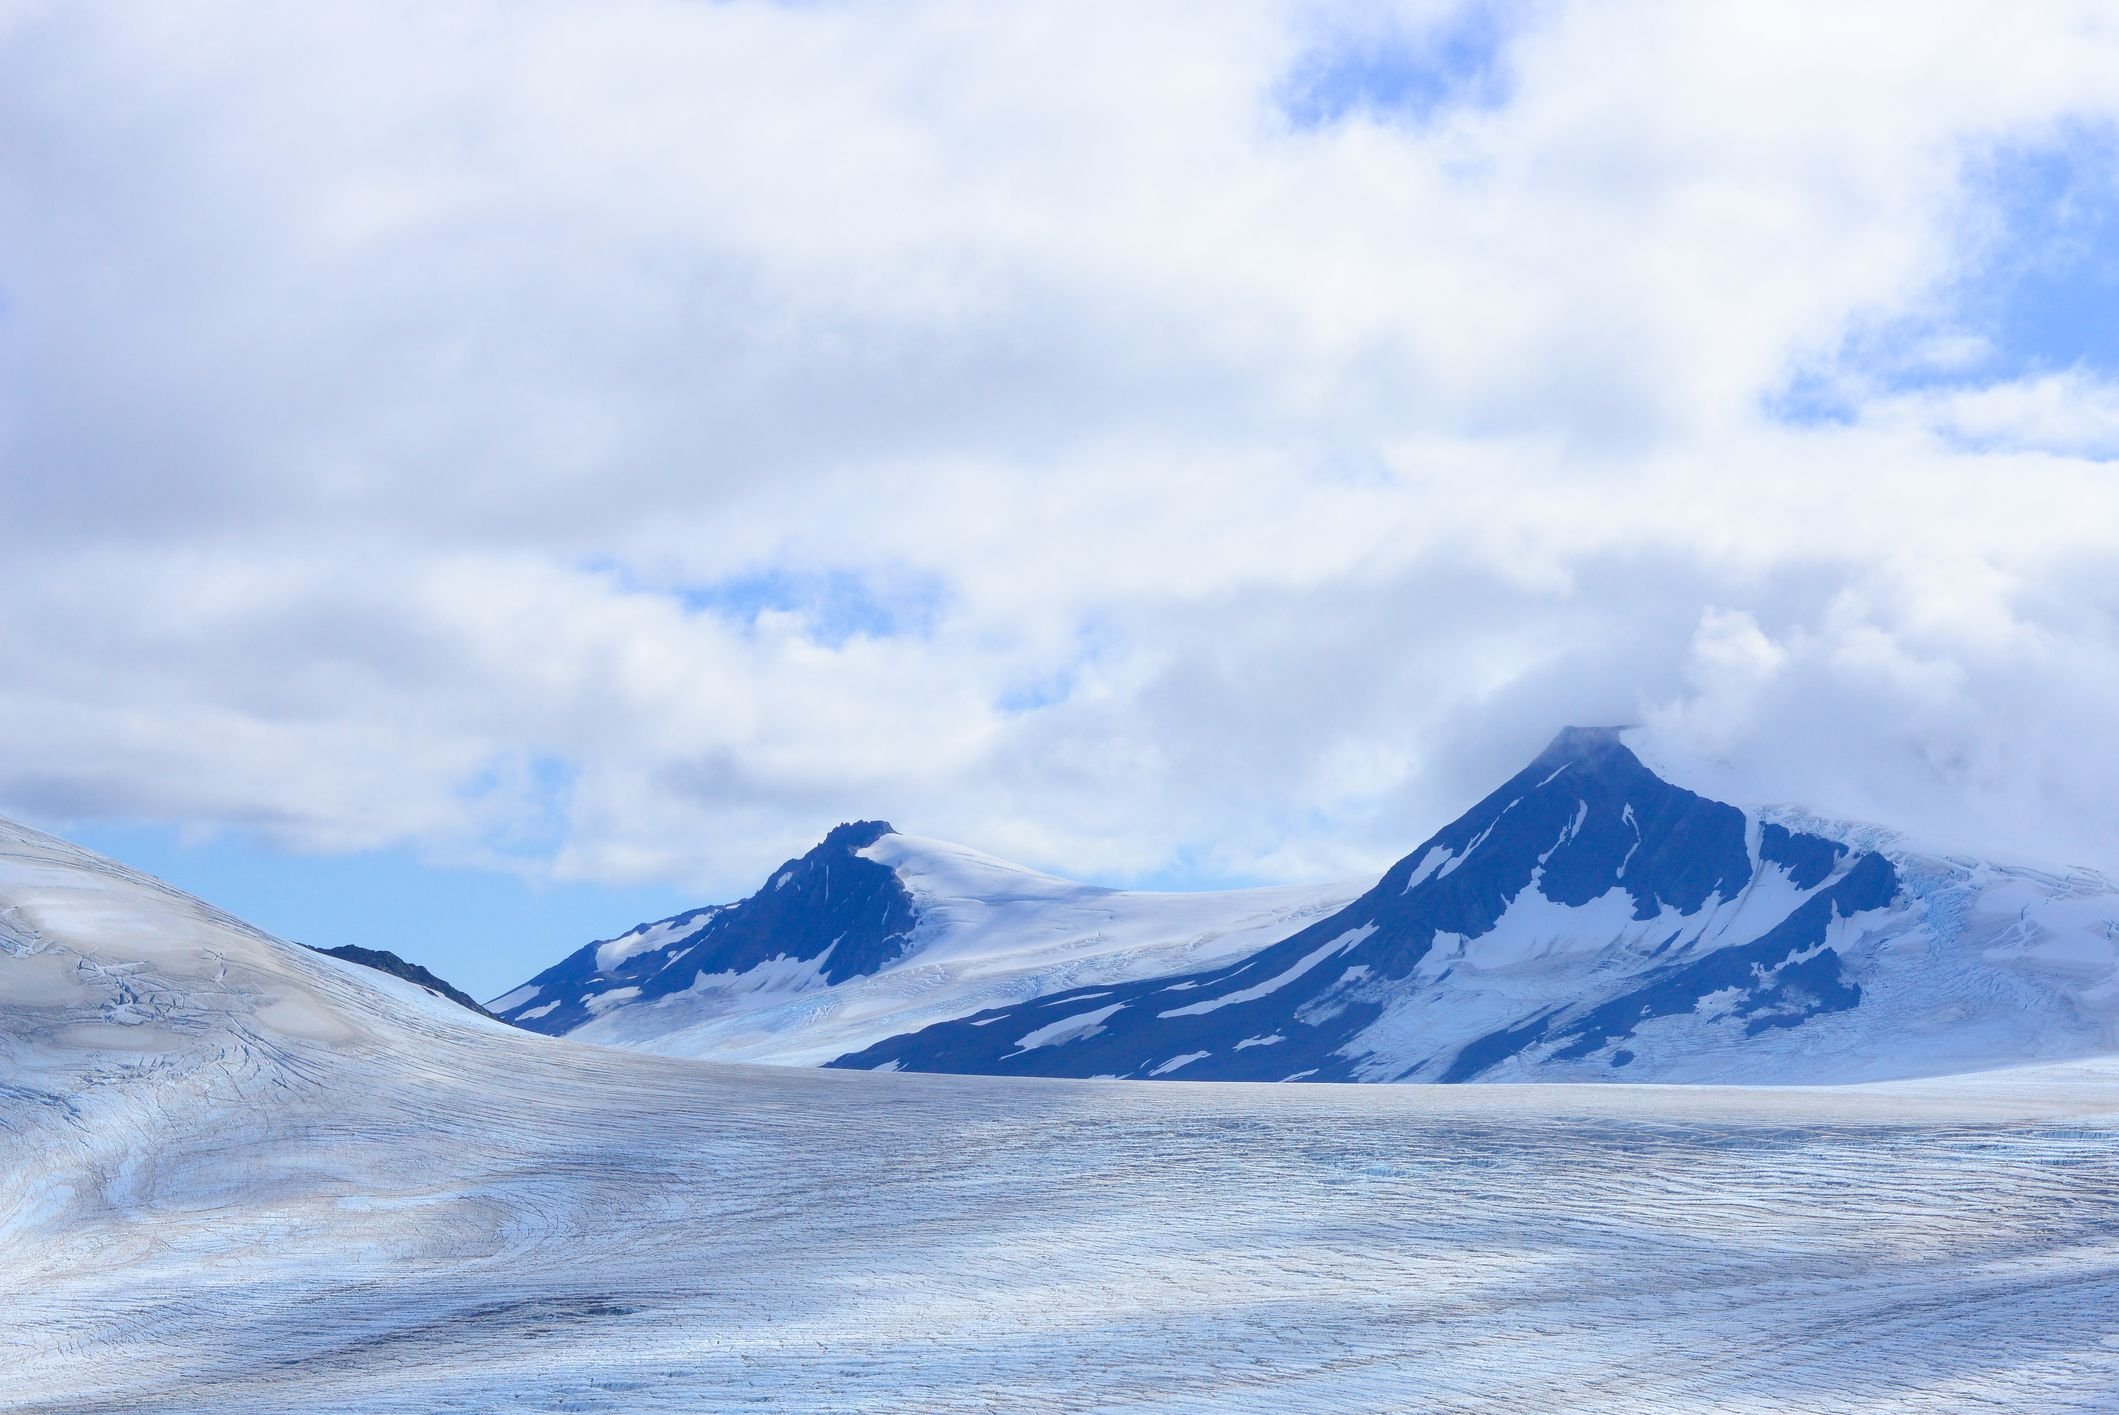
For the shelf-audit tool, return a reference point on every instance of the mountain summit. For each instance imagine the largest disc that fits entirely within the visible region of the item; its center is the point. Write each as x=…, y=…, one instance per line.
x=1587, y=916
x=872, y=934
x=828, y=916
x=1588, y=920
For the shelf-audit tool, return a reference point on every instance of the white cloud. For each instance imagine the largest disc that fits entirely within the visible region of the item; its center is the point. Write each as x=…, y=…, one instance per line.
x=375, y=381
x=2074, y=413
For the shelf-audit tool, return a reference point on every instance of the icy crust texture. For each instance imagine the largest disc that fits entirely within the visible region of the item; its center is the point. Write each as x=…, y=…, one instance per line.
x=1589, y=920
x=239, y=1177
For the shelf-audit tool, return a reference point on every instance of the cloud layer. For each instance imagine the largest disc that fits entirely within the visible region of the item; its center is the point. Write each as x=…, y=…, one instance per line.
x=1158, y=441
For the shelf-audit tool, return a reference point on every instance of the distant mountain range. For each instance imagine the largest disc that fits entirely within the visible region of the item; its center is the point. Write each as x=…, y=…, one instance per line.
x=238, y=1175
x=873, y=934
x=1587, y=920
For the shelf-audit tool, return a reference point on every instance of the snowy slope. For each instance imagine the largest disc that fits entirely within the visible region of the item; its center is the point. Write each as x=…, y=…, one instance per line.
x=241, y=1178
x=874, y=933
x=1589, y=920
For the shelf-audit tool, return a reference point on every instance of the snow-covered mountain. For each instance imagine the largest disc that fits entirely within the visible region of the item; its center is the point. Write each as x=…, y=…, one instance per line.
x=240, y=1176
x=1589, y=920
x=874, y=934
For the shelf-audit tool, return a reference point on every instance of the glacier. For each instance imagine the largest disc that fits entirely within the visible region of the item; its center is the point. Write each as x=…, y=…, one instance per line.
x=240, y=1176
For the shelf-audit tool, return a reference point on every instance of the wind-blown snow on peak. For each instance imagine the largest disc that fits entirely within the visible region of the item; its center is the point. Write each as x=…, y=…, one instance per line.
x=874, y=933
x=1589, y=919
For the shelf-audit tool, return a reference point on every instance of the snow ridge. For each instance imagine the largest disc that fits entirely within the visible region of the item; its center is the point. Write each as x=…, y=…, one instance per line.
x=875, y=934
x=1591, y=921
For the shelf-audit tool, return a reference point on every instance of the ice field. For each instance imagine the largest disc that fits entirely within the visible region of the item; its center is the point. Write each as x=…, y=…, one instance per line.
x=237, y=1176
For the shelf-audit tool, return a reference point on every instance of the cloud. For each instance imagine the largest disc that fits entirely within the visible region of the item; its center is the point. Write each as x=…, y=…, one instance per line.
x=1980, y=728
x=619, y=442
x=2070, y=414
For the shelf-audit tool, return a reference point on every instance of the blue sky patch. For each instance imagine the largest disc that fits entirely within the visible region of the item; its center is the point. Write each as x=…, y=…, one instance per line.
x=2045, y=294
x=1094, y=637
x=483, y=930
x=1394, y=73
x=837, y=605
x=1048, y=691
x=2037, y=291
x=531, y=793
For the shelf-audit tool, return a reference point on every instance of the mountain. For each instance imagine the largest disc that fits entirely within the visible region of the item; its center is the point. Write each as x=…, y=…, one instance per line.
x=384, y=961
x=1589, y=920
x=803, y=928
x=243, y=1177
x=873, y=934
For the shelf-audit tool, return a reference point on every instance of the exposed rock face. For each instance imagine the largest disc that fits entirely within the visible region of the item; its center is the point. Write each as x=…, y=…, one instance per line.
x=1587, y=912
x=832, y=912
x=384, y=961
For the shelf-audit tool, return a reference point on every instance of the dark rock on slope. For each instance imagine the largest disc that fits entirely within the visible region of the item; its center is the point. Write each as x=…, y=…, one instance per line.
x=1587, y=912
x=384, y=961
x=831, y=911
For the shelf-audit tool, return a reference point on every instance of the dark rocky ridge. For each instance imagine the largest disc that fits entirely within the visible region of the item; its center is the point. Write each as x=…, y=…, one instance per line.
x=1584, y=820
x=830, y=907
x=384, y=961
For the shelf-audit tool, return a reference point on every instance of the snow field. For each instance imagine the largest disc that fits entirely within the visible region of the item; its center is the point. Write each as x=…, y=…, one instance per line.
x=235, y=1177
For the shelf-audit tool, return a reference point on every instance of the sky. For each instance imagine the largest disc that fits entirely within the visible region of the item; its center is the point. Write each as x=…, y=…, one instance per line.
x=474, y=476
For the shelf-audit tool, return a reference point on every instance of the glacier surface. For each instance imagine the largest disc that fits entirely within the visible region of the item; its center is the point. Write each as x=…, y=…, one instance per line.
x=236, y=1176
